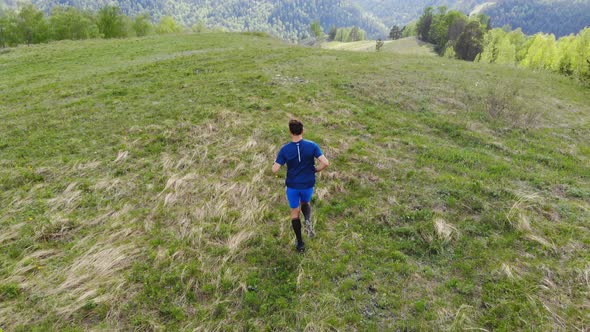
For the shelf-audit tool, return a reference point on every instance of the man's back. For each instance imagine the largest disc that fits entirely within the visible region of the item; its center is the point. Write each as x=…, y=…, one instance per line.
x=300, y=158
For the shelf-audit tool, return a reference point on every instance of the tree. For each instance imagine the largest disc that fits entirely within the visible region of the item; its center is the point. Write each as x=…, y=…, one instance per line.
x=2, y=38
x=346, y=35
x=332, y=33
x=339, y=35
x=469, y=44
x=71, y=23
x=541, y=52
x=3, y=25
x=564, y=61
x=32, y=25
x=424, y=24
x=438, y=29
x=142, y=24
x=199, y=27
x=506, y=52
x=167, y=25
x=485, y=21
x=518, y=39
x=490, y=44
x=445, y=27
x=111, y=23
x=582, y=54
x=410, y=30
x=316, y=30
x=456, y=27
x=10, y=31
x=354, y=34
x=450, y=52
x=395, y=33
x=361, y=35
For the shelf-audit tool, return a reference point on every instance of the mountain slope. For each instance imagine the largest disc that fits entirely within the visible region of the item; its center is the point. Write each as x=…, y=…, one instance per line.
x=136, y=193
x=291, y=19
x=286, y=19
x=401, y=12
x=560, y=17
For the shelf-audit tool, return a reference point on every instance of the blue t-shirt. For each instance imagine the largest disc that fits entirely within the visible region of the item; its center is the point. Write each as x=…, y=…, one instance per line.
x=299, y=158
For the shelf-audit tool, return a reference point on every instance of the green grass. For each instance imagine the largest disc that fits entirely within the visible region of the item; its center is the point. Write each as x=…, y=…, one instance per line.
x=407, y=46
x=136, y=193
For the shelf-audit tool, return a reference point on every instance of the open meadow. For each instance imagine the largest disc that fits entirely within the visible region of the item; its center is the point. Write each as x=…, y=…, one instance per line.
x=407, y=46
x=136, y=192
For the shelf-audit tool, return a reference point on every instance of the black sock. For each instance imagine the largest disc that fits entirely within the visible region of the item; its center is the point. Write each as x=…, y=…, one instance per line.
x=306, y=209
x=296, y=223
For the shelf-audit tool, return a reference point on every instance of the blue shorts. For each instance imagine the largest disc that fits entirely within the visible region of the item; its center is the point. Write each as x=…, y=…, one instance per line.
x=295, y=196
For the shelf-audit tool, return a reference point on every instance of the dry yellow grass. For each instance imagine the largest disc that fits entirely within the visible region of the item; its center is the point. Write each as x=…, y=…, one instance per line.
x=444, y=230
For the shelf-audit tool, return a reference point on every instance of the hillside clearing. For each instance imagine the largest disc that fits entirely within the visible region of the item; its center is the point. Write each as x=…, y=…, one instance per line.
x=407, y=46
x=135, y=190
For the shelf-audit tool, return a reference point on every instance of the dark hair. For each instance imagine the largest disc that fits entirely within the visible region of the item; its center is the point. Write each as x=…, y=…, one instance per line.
x=295, y=127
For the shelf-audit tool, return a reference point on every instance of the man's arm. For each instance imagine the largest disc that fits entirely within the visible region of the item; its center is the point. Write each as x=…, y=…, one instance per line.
x=276, y=167
x=323, y=164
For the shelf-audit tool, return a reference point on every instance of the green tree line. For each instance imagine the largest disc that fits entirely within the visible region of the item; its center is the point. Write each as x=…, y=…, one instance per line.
x=30, y=25
x=453, y=33
x=458, y=36
x=569, y=55
x=288, y=19
x=346, y=35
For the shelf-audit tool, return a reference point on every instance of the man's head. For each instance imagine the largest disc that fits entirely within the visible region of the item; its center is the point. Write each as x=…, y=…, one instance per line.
x=295, y=127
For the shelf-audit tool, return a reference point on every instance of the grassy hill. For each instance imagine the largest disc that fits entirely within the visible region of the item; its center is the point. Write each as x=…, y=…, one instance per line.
x=408, y=46
x=136, y=193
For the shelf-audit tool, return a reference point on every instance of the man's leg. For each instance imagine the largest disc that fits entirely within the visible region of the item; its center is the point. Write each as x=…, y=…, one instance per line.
x=306, y=209
x=306, y=203
x=296, y=224
x=295, y=213
x=293, y=197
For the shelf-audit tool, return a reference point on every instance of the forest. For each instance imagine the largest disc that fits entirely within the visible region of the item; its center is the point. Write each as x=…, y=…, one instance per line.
x=289, y=20
x=456, y=35
x=29, y=25
x=569, y=55
x=559, y=17
x=346, y=35
x=402, y=12
x=453, y=33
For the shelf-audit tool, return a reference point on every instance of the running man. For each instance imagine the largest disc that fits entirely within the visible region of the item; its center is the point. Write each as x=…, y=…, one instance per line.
x=299, y=155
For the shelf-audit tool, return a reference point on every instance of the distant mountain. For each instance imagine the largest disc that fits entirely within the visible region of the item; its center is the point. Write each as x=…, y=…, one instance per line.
x=288, y=19
x=560, y=17
x=401, y=12
x=7, y=3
